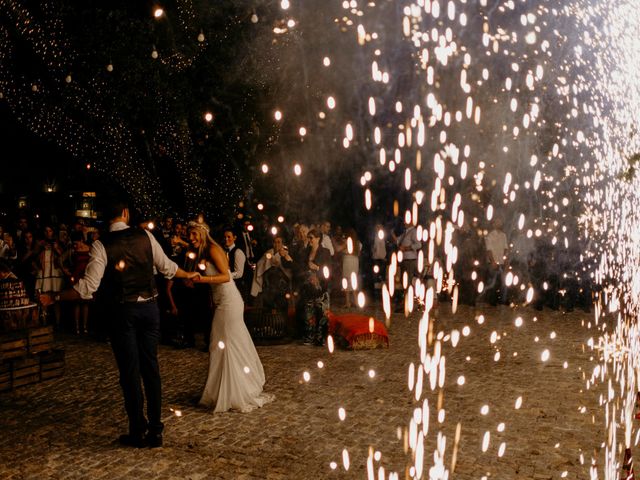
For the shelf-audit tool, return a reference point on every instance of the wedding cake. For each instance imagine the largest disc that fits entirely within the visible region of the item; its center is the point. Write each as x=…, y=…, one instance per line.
x=13, y=294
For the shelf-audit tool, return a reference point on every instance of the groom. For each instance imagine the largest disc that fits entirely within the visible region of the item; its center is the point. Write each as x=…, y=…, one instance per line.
x=122, y=265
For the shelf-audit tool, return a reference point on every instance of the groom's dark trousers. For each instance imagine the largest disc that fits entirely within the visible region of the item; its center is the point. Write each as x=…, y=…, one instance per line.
x=135, y=335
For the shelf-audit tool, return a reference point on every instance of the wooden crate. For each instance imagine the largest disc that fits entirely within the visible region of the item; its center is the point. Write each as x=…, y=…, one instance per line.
x=31, y=369
x=25, y=342
x=13, y=345
x=5, y=384
x=25, y=371
x=5, y=376
x=40, y=339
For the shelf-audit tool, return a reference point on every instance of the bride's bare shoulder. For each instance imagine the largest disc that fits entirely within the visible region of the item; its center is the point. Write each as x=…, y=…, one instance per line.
x=215, y=250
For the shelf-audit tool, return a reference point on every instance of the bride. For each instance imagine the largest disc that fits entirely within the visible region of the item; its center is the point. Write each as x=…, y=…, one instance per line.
x=236, y=376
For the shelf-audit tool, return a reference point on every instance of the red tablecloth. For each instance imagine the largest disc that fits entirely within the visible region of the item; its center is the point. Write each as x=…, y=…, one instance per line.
x=358, y=331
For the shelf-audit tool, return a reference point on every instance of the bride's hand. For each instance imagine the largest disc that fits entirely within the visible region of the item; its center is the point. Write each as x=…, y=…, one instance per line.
x=195, y=277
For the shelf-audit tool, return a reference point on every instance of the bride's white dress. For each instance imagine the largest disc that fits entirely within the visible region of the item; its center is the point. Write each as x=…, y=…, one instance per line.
x=236, y=376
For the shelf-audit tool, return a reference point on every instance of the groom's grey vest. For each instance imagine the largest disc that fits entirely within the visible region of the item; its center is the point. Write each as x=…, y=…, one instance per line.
x=129, y=271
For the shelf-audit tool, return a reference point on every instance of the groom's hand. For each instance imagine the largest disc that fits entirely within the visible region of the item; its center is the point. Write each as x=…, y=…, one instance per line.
x=195, y=277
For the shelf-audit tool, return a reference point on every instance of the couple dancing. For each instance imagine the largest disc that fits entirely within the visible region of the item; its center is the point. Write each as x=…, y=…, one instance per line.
x=122, y=267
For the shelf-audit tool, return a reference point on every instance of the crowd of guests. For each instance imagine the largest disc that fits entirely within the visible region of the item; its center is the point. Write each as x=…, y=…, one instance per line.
x=289, y=272
x=299, y=270
x=285, y=270
x=47, y=257
x=525, y=268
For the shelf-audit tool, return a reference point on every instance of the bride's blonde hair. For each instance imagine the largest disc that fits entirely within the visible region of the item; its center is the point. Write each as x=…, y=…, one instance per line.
x=204, y=235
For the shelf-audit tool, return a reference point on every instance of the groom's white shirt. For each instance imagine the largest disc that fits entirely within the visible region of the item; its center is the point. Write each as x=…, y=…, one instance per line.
x=88, y=285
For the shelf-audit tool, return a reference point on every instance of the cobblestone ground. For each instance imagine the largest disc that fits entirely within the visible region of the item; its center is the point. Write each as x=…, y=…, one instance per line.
x=65, y=428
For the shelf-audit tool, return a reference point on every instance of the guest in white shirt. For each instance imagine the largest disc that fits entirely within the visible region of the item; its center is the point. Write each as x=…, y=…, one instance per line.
x=409, y=244
x=408, y=247
x=379, y=256
x=326, y=242
x=276, y=257
x=497, y=248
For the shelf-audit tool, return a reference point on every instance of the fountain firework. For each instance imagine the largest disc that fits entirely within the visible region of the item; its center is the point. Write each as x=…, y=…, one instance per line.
x=517, y=109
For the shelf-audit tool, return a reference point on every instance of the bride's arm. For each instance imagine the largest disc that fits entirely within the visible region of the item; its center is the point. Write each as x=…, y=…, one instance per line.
x=219, y=259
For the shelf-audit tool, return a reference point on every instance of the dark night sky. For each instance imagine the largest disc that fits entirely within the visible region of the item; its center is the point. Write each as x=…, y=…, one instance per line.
x=28, y=161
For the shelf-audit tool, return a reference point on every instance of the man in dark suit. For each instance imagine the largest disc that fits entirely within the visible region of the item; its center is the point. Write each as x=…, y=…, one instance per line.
x=241, y=271
x=246, y=242
x=121, y=264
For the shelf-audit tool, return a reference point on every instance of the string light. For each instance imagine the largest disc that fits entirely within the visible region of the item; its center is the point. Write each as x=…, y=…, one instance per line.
x=80, y=117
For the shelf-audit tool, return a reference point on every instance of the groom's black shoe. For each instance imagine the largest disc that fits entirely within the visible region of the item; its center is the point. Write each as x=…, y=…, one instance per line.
x=134, y=441
x=153, y=440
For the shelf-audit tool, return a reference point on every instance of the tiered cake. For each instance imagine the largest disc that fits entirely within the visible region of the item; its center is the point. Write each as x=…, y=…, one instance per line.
x=13, y=294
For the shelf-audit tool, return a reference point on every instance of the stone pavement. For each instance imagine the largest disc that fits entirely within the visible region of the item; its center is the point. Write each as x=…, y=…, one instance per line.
x=65, y=428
